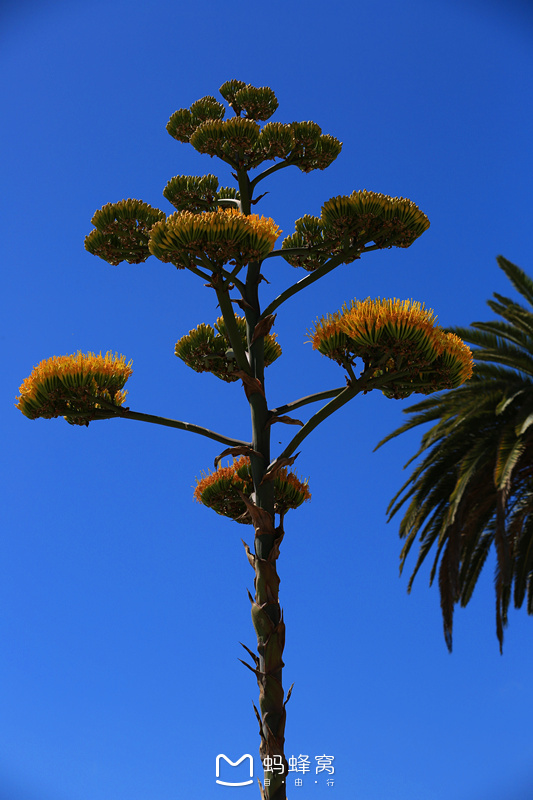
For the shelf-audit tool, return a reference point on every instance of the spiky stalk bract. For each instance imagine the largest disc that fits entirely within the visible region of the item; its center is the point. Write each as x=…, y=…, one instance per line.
x=214, y=234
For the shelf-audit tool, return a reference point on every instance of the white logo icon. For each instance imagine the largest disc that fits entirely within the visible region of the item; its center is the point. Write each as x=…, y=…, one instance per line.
x=234, y=764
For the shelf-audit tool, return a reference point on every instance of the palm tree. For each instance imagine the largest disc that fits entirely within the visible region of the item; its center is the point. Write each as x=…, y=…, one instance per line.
x=474, y=487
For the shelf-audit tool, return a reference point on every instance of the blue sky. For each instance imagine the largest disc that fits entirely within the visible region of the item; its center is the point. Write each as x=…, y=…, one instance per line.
x=122, y=602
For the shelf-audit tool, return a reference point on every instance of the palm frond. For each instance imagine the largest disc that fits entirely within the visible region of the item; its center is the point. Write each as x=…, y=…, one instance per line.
x=472, y=565
x=523, y=559
x=521, y=282
x=514, y=313
x=471, y=487
x=507, y=455
x=502, y=330
x=524, y=414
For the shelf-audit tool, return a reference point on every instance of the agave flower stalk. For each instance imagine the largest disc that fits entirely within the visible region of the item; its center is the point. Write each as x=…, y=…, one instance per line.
x=393, y=346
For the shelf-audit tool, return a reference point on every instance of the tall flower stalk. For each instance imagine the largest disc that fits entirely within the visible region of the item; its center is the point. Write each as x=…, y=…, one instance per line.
x=390, y=345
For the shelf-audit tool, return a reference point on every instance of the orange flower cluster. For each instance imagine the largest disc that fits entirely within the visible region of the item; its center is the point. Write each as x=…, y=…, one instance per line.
x=74, y=386
x=221, y=236
x=220, y=490
x=396, y=337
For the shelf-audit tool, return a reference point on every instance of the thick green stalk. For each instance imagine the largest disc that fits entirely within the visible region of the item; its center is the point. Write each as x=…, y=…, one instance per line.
x=267, y=617
x=245, y=190
x=232, y=329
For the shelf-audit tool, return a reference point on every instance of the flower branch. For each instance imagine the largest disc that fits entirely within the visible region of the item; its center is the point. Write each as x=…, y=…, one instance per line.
x=364, y=383
x=337, y=402
x=333, y=262
x=281, y=165
x=303, y=401
x=127, y=413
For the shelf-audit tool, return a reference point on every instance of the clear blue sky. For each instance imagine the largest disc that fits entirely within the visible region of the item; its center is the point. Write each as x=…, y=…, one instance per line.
x=122, y=602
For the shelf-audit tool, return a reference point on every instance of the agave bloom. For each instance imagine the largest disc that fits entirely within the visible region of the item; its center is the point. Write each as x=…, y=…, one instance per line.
x=311, y=234
x=236, y=137
x=350, y=223
x=122, y=231
x=276, y=140
x=400, y=338
x=79, y=387
x=183, y=122
x=364, y=217
x=257, y=102
x=197, y=193
x=219, y=490
x=221, y=236
x=205, y=349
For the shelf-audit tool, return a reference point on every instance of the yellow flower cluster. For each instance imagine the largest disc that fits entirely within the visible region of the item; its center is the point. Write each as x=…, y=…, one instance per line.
x=221, y=236
x=220, y=490
x=396, y=337
x=371, y=320
x=74, y=386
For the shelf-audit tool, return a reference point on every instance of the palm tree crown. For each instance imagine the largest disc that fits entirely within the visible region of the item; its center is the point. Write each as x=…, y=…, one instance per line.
x=474, y=486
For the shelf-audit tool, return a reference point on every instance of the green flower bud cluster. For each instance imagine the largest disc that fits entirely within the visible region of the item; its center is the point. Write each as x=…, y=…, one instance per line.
x=208, y=349
x=257, y=103
x=184, y=121
x=348, y=223
x=240, y=141
x=366, y=217
x=122, y=231
x=197, y=193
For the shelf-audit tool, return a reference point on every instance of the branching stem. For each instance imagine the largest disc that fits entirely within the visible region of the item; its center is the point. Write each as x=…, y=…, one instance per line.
x=303, y=401
x=197, y=271
x=337, y=402
x=363, y=384
x=281, y=165
x=333, y=262
x=126, y=413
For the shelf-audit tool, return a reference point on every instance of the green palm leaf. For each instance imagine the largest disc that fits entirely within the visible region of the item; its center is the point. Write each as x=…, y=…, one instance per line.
x=471, y=488
x=518, y=278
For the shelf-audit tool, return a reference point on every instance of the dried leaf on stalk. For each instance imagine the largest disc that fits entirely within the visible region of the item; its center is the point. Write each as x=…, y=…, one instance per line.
x=288, y=694
x=263, y=327
x=252, y=669
x=278, y=464
x=287, y=420
x=251, y=559
x=251, y=654
x=251, y=385
x=243, y=450
x=261, y=519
